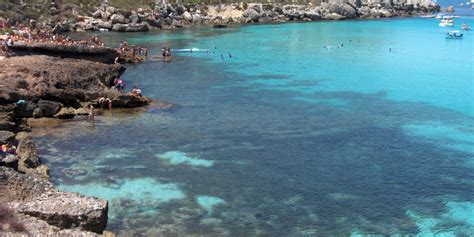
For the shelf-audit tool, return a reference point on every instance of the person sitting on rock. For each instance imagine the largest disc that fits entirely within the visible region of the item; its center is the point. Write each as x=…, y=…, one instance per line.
x=9, y=148
x=136, y=92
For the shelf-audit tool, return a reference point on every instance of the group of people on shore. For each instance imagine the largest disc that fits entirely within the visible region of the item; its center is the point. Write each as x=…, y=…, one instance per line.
x=8, y=153
x=104, y=102
x=27, y=36
x=135, y=50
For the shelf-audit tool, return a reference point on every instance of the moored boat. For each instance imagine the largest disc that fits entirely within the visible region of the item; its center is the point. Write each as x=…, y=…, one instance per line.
x=455, y=34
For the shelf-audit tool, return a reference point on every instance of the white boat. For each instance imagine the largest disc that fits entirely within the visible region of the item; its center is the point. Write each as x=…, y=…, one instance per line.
x=462, y=4
x=455, y=34
x=446, y=22
x=465, y=26
x=439, y=16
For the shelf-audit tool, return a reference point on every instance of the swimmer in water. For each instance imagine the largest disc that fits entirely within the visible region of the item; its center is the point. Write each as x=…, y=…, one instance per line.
x=230, y=55
x=222, y=57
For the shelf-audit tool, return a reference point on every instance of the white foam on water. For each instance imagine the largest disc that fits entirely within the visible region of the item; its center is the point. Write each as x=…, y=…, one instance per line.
x=177, y=158
x=209, y=202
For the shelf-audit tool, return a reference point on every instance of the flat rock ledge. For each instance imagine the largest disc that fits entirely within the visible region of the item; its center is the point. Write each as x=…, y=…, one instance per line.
x=45, y=210
x=68, y=211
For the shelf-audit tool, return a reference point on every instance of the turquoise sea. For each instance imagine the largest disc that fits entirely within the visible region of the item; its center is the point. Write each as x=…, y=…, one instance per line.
x=348, y=128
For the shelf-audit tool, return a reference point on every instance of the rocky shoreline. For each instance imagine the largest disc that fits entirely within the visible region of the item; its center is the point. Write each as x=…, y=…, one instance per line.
x=166, y=16
x=56, y=88
x=169, y=16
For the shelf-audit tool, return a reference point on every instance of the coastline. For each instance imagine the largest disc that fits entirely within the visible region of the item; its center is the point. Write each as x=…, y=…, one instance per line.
x=271, y=22
x=106, y=17
x=52, y=88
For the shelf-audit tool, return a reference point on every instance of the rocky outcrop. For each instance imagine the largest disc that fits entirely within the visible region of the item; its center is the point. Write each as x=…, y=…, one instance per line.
x=6, y=136
x=129, y=101
x=28, y=154
x=66, y=113
x=38, y=204
x=165, y=16
x=171, y=16
x=68, y=210
x=135, y=27
x=98, y=54
x=52, y=82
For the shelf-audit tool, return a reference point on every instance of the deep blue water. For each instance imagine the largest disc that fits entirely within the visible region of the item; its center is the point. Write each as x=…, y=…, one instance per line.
x=309, y=129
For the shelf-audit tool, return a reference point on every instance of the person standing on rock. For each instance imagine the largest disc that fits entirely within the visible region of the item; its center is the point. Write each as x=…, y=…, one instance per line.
x=90, y=118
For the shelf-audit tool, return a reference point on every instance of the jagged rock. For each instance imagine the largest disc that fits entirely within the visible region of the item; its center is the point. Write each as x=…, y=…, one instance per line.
x=21, y=136
x=37, y=113
x=61, y=28
x=118, y=19
x=6, y=136
x=25, y=110
x=65, y=113
x=49, y=108
x=110, y=9
x=65, y=80
x=251, y=14
x=81, y=111
x=7, y=125
x=177, y=23
x=385, y=13
x=180, y=9
x=153, y=22
x=129, y=101
x=134, y=19
x=187, y=16
x=333, y=16
x=105, y=25
x=97, y=14
x=105, y=15
x=19, y=187
x=130, y=27
x=277, y=9
x=43, y=171
x=33, y=23
x=68, y=210
x=344, y=9
x=140, y=11
x=28, y=154
x=314, y=16
x=197, y=18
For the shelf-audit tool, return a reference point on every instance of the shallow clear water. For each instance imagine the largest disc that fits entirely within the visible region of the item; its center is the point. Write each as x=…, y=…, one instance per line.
x=287, y=137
